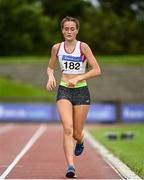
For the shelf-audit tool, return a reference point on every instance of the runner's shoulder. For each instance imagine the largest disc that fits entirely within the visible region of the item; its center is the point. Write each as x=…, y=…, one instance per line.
x=55, y=47
x=84, y=46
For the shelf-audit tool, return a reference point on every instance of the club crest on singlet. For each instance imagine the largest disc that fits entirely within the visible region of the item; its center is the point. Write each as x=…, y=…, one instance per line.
x=73, y=63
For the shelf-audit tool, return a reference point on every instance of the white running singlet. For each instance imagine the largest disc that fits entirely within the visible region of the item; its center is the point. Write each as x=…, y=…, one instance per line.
x=71, y=63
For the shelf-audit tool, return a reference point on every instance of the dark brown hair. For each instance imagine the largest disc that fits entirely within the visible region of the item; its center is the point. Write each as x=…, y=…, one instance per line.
x=68, y=18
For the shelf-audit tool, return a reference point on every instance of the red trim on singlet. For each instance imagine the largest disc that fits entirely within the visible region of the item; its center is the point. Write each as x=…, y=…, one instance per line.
x=82, y=54
x=58, y=50
x=81, y=48
x=72, y=50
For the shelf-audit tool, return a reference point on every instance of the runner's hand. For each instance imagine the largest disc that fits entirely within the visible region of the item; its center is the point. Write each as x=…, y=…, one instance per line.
x=51, y=84
x=72, y=82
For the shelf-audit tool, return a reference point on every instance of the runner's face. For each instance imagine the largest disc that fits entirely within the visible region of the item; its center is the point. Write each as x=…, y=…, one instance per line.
x=69, y=30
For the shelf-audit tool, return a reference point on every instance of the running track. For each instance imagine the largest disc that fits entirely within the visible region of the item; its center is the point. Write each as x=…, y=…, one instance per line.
x=34, y=151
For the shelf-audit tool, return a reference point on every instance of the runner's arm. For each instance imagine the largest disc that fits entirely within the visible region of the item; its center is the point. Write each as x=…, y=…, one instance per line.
x=94, y=67
x=51, y=84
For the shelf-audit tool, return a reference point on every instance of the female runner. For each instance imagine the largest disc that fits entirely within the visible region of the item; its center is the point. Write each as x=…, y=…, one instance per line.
x=73, y=98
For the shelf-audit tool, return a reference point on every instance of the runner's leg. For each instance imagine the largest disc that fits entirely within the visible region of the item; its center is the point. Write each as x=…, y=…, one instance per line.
x=79, y=118
x=66, y=114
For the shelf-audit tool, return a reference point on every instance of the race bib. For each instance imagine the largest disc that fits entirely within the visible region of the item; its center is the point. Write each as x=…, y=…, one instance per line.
x=72, y=63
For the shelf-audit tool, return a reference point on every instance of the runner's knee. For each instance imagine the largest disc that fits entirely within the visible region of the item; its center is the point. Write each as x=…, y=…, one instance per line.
x=68, y=131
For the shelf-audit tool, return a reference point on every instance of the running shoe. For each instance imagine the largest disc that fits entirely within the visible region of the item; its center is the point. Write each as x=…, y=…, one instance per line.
x=79, y=148
x=70, y=172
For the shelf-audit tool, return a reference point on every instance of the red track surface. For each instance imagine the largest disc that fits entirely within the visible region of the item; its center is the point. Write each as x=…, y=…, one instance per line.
x=45, y=158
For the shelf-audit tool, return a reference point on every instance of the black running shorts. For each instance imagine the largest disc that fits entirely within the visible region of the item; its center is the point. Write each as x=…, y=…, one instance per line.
x=77, y=96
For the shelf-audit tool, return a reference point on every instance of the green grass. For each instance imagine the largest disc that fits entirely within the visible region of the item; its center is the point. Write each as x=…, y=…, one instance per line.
x=23, y=59
x=11, y=90
x=131, y=152
x=137, y=60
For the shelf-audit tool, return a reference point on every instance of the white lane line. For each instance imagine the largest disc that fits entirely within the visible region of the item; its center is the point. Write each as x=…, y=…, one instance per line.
x=53, y=179
x=30, y=143
x=6, y=128
x=122, y=169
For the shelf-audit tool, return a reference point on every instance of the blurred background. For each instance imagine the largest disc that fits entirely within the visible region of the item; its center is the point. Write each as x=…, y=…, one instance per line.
x=114, y=31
